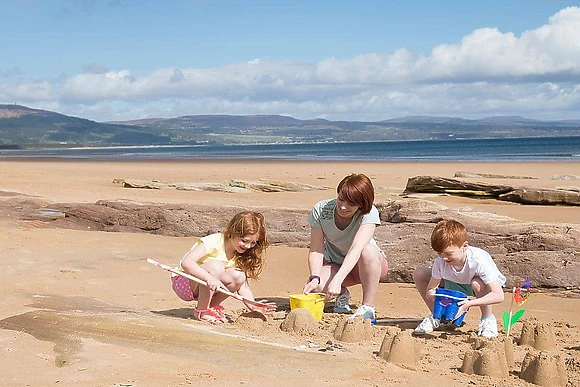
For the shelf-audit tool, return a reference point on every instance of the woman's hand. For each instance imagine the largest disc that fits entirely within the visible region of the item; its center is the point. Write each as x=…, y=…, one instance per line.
x=311, y=286
x=333, y=290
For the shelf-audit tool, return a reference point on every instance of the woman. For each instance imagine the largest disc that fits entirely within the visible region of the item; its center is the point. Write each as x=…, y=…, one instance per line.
x=342, y=251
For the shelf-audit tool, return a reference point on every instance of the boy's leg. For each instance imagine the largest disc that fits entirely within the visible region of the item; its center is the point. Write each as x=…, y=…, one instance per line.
x=488, y=323
x=480, y=290
x=421, y=277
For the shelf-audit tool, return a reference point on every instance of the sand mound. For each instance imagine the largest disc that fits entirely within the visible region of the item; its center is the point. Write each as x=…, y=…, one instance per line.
x=489, y=358
x=538, y=335
x=544, y=369
x=400, y=347
x=299, y=320
x=352, y=330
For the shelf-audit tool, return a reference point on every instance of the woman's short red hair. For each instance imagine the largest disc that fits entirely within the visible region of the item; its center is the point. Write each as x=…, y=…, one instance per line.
x=358, y=190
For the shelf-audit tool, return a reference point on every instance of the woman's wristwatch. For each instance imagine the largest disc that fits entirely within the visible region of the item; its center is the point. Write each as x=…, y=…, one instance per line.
x=316, y=277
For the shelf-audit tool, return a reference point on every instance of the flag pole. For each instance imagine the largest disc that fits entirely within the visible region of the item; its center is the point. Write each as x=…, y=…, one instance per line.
x=511, y=313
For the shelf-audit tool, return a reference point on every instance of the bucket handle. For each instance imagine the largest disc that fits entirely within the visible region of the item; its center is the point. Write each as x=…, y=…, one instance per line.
x=452, y=297
x=319, y=294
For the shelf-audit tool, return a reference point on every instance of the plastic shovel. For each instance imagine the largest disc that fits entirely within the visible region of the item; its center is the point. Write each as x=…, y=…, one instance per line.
x=269, y=307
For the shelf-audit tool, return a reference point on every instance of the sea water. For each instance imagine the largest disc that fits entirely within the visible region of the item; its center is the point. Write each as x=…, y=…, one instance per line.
x=508, y=149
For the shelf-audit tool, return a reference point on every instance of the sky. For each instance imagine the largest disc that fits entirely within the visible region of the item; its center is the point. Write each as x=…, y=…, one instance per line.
x=356, y=60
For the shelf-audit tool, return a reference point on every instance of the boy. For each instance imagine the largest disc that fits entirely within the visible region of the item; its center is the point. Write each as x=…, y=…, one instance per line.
x=460, y=267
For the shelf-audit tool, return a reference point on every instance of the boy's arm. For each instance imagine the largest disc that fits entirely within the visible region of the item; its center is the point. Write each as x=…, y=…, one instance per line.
x=495, y=296
x=432, y=289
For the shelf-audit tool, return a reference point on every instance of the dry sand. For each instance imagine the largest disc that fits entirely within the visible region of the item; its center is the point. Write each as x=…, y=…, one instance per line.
x=83, y=307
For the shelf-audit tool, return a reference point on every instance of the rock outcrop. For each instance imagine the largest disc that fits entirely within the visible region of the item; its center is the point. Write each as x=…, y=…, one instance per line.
x=232, y=185
x=523, y=195
x=546, y=253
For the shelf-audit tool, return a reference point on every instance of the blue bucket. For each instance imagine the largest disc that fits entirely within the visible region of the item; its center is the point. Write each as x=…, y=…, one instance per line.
x=445, y=307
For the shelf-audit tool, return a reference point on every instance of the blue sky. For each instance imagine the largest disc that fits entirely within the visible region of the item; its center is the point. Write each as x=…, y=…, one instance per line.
x=341, y=60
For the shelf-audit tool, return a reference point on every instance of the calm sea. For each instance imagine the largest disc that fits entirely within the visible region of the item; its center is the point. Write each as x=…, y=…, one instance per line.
x=510, y=149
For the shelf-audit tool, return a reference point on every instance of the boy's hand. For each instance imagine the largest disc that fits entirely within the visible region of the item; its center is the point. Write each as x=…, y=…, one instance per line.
x=430, y=294
x=463, y=307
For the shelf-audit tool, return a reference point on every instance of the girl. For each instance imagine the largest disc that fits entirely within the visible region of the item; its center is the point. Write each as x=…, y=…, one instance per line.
x=343, y=251
x=224, y=260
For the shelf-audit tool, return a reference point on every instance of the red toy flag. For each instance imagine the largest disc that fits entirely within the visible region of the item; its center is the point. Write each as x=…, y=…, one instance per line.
x=522, y=293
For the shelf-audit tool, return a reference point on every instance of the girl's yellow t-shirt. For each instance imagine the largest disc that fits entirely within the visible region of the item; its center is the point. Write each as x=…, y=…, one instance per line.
x=215, y=250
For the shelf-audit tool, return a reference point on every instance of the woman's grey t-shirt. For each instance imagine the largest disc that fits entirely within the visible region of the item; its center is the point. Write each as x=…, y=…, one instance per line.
x=337, y=242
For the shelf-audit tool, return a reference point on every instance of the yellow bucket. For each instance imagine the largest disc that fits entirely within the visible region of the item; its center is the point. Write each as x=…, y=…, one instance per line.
x=313, y=302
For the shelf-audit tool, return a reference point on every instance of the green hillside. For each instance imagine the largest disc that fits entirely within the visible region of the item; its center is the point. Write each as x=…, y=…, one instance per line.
x=23, y=127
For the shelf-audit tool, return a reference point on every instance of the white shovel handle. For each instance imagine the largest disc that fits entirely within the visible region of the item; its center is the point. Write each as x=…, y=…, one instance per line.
x=202, y=282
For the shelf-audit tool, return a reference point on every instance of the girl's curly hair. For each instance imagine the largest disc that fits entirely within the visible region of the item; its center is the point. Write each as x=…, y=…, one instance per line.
x=245, y=223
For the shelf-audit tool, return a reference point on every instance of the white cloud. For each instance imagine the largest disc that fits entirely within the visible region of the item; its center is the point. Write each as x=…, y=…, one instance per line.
x=488, y=72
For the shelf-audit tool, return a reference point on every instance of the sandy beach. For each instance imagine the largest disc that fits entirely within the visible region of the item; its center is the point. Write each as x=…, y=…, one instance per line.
x=82, y=307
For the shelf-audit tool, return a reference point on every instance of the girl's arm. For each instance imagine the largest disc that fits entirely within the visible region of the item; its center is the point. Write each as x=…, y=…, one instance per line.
x=315, y=259
x=190, y=266
x=361, y=239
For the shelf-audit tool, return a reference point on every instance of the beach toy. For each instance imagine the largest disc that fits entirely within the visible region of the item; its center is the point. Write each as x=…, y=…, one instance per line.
x=313, y=302
x=268, y=307
x=446, y=305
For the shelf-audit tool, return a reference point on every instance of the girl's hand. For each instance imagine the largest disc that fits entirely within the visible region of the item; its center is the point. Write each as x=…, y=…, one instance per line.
x=268, y=308
x=214, y=284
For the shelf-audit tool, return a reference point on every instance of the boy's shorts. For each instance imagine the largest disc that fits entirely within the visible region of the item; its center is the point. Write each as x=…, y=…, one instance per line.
x=182, y=287
x=465, y=288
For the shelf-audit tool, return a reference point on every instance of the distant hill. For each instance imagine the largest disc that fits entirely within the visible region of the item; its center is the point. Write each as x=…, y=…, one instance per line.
x=502, y=120
x=23, y=127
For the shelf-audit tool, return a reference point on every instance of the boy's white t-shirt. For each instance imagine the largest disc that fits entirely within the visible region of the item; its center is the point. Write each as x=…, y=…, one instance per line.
x=478, y=263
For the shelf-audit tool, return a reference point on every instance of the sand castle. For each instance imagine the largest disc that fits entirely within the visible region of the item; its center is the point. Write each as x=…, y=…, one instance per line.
x=537, y=335
x=489, y=358
x=352, y=330
x=400, y=347
x=495, y=357
x=544, y=369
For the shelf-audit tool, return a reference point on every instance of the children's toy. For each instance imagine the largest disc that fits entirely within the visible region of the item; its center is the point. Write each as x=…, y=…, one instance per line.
x=313, y=302
x=269, y=306
x=446, y=305
x=520, y=296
